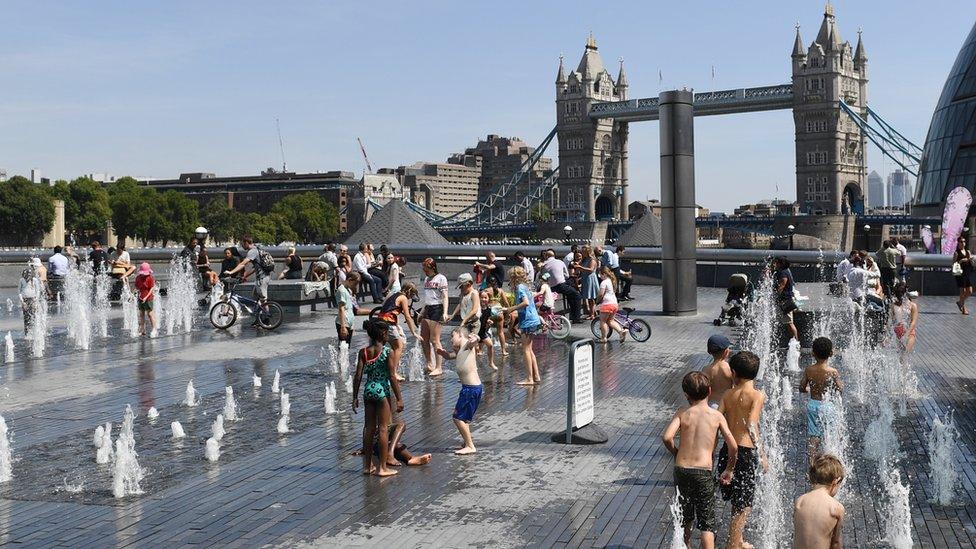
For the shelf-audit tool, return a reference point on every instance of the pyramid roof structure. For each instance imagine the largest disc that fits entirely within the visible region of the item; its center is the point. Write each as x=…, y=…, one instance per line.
x=645, y=232
x=395, y=224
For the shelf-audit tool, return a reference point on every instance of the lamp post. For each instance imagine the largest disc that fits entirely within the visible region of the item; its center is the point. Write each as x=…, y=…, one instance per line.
x=201, y=234
x=567, y=232
x=791, y=229
x=867, y=235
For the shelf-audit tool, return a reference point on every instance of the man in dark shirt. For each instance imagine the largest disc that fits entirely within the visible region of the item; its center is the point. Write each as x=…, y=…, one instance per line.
x=625, y=275
x=98, y=258
x=229, y=262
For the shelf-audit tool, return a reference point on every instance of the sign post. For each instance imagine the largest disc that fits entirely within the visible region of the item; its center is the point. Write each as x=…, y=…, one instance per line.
x=580, y=412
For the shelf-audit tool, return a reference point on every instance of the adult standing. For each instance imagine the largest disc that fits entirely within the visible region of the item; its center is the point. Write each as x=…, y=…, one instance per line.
x=361, y=263
x=902, y=257
x=888, y=257
x=570, y=258
x=625, y=276
x=293, y=266
x=492, y=274
x=433, y=315
x=558, y=274
x=589, y=283
x=845, y=267
x=57, y=269
x=962, y=268
x=785, y=298
x=29, y=291
x=525, y=263
x=98, y=258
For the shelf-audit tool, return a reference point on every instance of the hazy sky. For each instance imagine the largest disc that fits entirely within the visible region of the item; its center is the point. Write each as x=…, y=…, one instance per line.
x=155, y=89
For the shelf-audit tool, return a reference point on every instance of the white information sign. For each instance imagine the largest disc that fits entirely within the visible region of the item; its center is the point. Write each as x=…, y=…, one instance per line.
x=582, y=385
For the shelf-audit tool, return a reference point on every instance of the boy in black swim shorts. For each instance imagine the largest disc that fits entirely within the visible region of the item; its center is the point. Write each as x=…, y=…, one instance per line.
x=698, y=427
x=742, y=407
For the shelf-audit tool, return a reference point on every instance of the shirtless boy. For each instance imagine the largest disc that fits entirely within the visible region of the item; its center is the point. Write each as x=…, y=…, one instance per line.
x=466, y=365
x=742, y=405
x=819, y=379
x=698, y=426
x=719, y=373
x=817, y=516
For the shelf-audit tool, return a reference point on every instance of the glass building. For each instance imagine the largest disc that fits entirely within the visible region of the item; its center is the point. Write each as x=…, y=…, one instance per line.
x=949, y=157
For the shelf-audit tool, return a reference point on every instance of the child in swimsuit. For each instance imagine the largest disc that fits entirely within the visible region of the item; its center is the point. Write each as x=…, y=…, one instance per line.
x=819, y=379
x=378, y=362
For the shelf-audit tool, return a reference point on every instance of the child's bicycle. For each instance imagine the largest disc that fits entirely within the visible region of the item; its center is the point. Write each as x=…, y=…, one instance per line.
x=554, y=324
x=638, y=328
x=223, y=314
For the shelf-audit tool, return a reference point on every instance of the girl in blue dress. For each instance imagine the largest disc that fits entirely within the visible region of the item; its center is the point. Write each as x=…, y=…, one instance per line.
x=528, y=322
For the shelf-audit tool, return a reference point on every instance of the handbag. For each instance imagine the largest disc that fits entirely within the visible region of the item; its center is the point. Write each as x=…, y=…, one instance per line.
x=956, y=268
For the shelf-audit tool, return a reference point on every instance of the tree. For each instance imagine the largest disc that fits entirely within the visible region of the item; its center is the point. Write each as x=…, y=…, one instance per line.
x=86, y=206
x=266, y=229
x=180, y=216
x=540, y=213
x=310, y=217
x=220, y=220
x=130, y=210
x=26, y=211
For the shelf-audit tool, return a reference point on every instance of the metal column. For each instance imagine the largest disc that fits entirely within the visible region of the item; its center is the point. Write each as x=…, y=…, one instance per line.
x=679, y=280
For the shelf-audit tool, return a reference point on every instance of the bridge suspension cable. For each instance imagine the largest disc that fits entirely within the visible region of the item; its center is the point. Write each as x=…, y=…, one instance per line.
x=893, y=144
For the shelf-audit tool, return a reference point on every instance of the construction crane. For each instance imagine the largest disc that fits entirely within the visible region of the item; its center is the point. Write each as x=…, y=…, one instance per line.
x=369, y=167
x=281, y=147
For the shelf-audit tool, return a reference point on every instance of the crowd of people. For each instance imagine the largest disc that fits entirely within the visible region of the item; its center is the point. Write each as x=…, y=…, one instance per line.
x=724, y=402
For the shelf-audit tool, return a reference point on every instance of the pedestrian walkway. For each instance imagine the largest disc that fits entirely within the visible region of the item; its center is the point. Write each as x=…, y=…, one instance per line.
x=520, y=489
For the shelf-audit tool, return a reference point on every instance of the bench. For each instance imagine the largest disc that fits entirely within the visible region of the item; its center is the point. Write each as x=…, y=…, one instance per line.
x=296, y=297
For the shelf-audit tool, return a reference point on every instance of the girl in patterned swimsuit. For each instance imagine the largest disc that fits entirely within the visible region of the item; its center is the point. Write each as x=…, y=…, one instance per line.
x=378, y=361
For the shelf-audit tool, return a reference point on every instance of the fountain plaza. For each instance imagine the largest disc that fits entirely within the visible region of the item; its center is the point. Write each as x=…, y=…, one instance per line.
x=243, y=438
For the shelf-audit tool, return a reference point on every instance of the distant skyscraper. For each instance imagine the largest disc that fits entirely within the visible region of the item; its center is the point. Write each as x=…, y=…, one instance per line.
x=899, y=189
x=876, y=191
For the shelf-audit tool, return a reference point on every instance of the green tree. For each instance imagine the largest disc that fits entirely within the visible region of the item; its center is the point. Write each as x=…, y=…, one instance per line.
x=310, y=217
x=220, y=220
x=266, y=229
x=540, y=213
x=86, y=206
x=26, y=211
x=131, y=206
x=178, y=217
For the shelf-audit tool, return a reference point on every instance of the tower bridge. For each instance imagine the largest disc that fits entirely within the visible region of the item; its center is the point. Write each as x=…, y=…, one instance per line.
x=832, y=126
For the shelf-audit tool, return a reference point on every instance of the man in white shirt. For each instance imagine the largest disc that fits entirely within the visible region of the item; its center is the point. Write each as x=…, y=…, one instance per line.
x=902, y=273
x=844, y=267
x=857, y=279
x=526, y=264
x=568, y=260
x=557, y=281
x=57, y=265
x=361, y=264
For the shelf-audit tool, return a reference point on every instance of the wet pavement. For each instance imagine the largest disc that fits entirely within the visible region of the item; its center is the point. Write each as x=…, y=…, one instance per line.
x=303, y=487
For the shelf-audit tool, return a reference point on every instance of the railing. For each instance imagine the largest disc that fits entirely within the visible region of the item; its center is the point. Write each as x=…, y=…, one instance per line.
x=779, y=96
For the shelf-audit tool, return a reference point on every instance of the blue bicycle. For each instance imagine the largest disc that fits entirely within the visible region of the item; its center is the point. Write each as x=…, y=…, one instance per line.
x=224, y=313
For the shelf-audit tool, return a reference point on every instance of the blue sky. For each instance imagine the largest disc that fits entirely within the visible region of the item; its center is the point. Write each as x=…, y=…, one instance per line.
x=155, y=89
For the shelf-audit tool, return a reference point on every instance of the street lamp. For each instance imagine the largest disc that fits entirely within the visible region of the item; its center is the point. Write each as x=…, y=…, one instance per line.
x=792, y=229
x=867, y=234
x=567, y=231
x=201, y=234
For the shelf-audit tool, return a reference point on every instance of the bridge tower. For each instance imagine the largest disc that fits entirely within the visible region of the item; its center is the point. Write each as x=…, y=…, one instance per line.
x=592, y=153
x=831, y=162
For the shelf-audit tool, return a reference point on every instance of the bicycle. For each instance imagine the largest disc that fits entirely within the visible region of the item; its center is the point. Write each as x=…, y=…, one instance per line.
x=223, y=314
x=554, y=324
x=638, y=328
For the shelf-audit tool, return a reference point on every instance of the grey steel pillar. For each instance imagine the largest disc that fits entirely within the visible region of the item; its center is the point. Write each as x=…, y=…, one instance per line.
x=679, y=280
x=624, y=200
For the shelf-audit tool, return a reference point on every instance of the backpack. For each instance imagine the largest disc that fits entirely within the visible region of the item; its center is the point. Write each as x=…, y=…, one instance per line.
x=265, y=261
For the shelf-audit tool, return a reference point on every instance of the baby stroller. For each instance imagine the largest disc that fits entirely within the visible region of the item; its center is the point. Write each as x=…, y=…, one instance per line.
x=739, y=295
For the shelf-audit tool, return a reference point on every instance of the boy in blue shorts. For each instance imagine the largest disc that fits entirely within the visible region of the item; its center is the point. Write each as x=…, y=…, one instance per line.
x=465, y=344
x=820, y=379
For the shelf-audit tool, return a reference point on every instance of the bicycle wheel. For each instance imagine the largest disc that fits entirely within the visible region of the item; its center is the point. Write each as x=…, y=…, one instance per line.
x=559, y=327
x=223, y=315
x=639, y=330
x=595, y=328
x=271, y=317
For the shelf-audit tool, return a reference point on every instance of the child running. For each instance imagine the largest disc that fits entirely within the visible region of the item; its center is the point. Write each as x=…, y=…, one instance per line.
x=145, y=287
x=378, y=362
x=466, y=365
x=528, y=322
x=817, y=516
x=698, y=427
x=719, y=373
x=819, y=379
x=742, y=406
